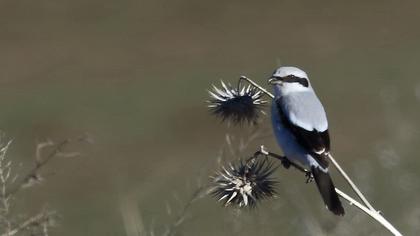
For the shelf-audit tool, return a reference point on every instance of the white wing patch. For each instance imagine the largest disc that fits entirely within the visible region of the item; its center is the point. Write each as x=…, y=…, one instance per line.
x=320, y=151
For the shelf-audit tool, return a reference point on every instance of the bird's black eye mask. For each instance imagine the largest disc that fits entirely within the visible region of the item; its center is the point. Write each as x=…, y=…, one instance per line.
x=294, y=79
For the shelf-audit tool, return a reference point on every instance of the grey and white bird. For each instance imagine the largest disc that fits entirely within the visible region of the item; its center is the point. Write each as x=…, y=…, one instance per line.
x=301, y=129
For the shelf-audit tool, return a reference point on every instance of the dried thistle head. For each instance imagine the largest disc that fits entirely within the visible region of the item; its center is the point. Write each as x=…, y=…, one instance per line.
x=245, y=183
x=242, y=104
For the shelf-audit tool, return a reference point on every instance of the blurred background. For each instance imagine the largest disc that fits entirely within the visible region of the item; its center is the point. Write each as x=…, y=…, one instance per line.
x=134, y=74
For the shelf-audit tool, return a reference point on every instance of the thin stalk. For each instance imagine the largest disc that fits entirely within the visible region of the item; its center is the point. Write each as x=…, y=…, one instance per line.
x=34, y=220
x=374, y=214
x=38, y=165
x=368, y=209
x=181, y=217
x=256, y=85
x=350, y=182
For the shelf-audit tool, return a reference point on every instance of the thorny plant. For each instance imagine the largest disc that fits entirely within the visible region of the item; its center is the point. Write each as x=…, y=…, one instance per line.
x=11, y=185
x=245, y=182
x=233, y=185
x=240, y=105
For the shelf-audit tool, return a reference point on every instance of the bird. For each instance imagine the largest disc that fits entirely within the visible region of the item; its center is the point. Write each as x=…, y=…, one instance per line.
x=300, y=126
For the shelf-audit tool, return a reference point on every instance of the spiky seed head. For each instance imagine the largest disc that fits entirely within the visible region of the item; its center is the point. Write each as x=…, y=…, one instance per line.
x=239, y=105
x=244, y=184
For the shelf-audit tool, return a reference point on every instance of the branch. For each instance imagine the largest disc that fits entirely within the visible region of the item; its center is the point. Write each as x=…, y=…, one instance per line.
x=284, y=160
x=374, y=214
x=37, y=219
x=5, y=170
x=350, y=182
x=198, y=193
x=369, y=209
x=256, y=85
x=38, y=165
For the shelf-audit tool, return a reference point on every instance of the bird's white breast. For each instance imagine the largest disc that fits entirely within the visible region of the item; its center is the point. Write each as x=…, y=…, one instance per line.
x=286, y=140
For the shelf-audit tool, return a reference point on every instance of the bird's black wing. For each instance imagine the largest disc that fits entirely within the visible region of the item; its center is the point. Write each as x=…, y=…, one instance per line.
x=315, y=142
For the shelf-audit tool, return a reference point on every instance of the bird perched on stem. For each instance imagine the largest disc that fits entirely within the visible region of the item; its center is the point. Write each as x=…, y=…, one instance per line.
x=301, y=129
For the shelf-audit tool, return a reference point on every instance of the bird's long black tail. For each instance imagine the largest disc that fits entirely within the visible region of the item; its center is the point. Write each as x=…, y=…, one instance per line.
x=327, y=190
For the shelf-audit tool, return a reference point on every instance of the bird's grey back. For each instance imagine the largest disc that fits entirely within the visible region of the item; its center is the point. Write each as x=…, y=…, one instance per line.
x=305, y=110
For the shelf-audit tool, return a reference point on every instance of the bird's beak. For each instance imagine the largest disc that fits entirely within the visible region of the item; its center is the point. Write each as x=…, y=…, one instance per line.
x=274, y=80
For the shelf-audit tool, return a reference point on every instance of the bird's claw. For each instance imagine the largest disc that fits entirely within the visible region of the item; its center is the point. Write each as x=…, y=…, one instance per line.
x=309, y=177
x=286, y=163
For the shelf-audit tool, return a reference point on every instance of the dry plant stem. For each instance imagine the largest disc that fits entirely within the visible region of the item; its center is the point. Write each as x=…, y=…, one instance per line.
x=181, y=217
x=368, y=209
x=350, y=182
x=37, y=219
x=374, y=214
x=5, y=170
x=283, y=158
x=256, y=85
x=38, y=165
x=285, y=161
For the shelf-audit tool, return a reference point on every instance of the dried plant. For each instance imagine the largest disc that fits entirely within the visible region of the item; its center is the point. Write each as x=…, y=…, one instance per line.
x=245, y=183
x=233, y=184
x=238, y=105
x=11, y=185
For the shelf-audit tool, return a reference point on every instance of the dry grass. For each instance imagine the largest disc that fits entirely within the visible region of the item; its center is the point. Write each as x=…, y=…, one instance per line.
x=12, y=183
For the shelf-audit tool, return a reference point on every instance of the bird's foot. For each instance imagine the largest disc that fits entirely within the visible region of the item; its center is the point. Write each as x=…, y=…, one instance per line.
x=309, y=177
x=286, y=163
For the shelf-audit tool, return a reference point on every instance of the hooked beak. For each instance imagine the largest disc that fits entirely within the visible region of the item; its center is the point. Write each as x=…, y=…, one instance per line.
x=274, y=80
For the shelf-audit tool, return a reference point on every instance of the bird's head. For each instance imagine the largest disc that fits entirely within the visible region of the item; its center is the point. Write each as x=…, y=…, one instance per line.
x=288, y=79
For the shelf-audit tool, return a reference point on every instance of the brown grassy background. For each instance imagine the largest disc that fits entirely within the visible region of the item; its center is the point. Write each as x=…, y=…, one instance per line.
x=134, y=74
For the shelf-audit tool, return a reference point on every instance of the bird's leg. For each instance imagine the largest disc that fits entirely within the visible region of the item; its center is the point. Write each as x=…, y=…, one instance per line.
x=309, y=177
x=286, y=163
x=284, y=160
